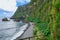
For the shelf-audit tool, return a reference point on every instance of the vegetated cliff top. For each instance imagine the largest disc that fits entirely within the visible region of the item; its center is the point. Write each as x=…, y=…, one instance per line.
x=22, y=10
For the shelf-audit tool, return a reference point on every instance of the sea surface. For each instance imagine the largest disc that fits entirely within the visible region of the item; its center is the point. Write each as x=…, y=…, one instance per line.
x=9, y=28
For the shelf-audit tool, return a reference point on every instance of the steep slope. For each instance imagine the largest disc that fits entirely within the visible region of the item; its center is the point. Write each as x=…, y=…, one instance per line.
x=46, y=15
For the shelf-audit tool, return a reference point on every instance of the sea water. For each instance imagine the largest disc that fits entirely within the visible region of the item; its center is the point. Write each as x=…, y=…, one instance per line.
x=8, y=29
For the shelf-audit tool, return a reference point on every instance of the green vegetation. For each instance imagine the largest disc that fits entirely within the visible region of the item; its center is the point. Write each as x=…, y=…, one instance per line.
x=46, y=16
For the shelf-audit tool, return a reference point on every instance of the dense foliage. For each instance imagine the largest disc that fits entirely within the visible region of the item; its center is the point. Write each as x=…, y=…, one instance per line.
x=46, y=16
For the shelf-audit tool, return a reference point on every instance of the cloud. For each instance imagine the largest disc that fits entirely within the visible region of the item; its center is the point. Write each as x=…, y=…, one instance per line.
x=4, y=13
x=9, y=6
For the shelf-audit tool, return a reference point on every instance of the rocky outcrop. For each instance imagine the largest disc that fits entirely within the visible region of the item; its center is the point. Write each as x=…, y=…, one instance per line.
x=5, y=19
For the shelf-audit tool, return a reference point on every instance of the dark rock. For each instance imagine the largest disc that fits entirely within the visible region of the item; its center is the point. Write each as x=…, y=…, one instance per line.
x=5, y=19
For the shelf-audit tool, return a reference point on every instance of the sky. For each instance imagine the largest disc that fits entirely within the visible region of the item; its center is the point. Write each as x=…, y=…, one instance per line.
x=9, y=7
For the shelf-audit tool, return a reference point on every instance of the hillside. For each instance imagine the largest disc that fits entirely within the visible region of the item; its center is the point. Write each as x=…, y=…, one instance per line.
x=46, y=15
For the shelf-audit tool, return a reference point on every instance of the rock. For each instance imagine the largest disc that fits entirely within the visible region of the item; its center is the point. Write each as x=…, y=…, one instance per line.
x=5, y=19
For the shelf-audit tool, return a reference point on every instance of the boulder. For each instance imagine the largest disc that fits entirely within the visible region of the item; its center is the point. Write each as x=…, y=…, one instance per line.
x=5, y=19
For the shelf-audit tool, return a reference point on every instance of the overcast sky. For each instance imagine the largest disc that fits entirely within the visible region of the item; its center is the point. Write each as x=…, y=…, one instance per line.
x=10, y=6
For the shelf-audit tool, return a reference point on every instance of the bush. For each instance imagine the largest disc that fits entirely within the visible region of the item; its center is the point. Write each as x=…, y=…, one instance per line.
x=57, y=5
